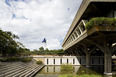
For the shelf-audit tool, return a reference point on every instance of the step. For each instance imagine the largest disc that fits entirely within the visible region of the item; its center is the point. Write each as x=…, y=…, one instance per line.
x=27, y=72
x=4, y=74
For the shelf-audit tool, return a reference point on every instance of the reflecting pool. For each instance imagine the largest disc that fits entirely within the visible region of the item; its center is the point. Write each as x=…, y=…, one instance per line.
x=54, y=71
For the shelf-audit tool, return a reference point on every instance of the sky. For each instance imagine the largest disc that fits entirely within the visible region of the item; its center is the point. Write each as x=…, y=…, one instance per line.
x=34, y=20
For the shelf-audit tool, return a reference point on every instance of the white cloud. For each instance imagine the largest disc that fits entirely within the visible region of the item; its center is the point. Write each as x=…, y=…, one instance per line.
x=33, y=20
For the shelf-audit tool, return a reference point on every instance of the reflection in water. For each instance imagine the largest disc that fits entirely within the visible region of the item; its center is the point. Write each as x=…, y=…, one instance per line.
x=54, y=71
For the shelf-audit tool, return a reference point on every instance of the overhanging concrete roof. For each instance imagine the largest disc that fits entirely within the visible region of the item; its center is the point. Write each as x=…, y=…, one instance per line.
x=78, y=15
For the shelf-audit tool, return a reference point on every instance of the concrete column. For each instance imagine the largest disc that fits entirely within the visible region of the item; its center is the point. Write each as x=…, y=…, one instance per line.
x=106, y=47
x=108, y=63
x=88, y=60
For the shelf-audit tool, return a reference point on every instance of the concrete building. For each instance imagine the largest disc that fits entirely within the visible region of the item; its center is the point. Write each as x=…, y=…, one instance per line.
x=99, y=40
x=73, y=60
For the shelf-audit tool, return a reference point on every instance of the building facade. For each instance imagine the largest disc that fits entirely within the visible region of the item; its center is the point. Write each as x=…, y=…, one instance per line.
x=100, y=40
x=73, y=60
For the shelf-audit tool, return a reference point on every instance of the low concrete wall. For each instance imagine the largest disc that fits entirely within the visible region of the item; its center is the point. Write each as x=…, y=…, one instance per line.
x=79, y=60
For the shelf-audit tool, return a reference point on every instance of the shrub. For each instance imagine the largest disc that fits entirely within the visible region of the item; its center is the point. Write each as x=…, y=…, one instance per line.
x=39, y=62
x=3, y=60
x=99, y=21
x=10, y=59
x=26, y=59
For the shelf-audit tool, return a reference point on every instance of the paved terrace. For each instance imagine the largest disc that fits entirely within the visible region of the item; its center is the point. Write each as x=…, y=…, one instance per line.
x=99, y=39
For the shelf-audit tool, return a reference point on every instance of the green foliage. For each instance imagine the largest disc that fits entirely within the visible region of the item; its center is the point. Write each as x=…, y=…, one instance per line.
x=10, y=59
x=13, y=59
x=26, y=60
x=41, y=49
x=66, y=68
x=9, y=46
x=79, y=75
x=39, y=62
x=99, y=21
x=7, y=42
x=48, y=52
x=25, y=52
x=3, y=60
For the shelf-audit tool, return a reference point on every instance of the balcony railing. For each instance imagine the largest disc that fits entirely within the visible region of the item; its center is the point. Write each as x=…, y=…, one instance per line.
x=95, y=24
x=80, y=29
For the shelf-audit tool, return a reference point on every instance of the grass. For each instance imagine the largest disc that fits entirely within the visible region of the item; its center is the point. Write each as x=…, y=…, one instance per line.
x=66, y=75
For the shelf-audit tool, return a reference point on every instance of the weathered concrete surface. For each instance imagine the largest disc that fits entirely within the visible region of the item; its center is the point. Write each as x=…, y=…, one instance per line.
x=74, y=60
x=80, y=13
x=19, y=69
x=102, y=37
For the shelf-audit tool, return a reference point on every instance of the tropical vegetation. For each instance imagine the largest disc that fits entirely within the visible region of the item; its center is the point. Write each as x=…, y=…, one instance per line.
x=10, y=47
x=46, y=51
x=100, y=21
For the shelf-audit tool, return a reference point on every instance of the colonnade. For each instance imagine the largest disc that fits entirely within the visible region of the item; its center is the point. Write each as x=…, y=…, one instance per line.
x=104, y=45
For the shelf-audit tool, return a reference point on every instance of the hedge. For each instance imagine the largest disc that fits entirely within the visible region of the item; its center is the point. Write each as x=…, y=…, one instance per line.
x=39, y=62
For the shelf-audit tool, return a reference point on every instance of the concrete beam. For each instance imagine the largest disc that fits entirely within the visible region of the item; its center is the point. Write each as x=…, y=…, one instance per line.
x=88, y=54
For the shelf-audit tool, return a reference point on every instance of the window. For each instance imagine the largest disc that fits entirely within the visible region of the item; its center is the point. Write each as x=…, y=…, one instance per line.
x=67, y=61
x=47, y=61
x=73, y=61
x=54, y=61
x=60, y=61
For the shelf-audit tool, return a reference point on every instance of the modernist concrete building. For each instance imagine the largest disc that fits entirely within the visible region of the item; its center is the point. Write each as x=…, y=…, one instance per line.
x=59, y=60
x=99, y=40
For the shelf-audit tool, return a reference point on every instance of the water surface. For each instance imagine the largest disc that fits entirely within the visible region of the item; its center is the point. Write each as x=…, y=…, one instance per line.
x=54, y=71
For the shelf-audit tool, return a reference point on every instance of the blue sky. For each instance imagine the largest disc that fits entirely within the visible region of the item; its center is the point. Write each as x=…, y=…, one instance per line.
x=34, y=20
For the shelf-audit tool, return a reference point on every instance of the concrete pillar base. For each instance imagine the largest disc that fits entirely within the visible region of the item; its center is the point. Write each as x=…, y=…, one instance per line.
x=88, y=61
x=108, y=63
x=110, y=74
x=88, y=66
